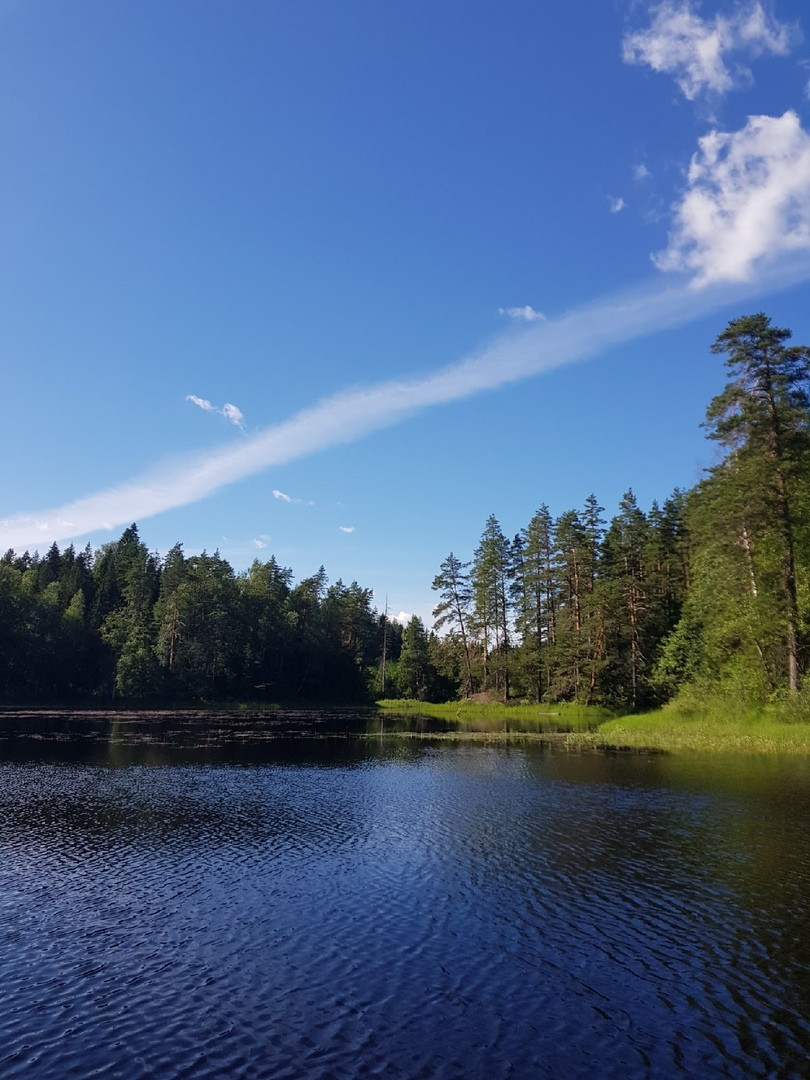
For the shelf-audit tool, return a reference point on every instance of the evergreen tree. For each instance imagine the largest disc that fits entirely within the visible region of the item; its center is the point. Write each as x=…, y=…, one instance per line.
x=167, y=615
x=761, y=421
x=415, y=672
x=491, y=573
x=571, y=574
x=627, y=607
x=127, y=578
x=534, y=596
x=207, y=652
x=455, y=609
x=265, y=591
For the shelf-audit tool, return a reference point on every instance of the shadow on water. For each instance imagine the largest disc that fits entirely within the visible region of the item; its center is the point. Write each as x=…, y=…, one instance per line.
x=240, y=738
x=183, y=737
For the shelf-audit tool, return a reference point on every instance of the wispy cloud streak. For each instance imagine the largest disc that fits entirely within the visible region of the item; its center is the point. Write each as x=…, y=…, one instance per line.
x=232, y=413
x=282, y=496
x=526, y=313
x=345, y=417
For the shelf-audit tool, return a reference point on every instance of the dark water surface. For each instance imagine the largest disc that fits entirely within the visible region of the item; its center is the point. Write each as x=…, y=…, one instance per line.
x=182, y=899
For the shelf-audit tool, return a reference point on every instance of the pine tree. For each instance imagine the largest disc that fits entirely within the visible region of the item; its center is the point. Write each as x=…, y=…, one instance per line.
x=491, y=573
x=627, y=603
x=761, y=421
x=454, y=609
x=535, y=600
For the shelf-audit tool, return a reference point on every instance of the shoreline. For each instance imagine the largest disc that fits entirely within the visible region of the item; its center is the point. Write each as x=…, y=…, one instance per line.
x=572, y=729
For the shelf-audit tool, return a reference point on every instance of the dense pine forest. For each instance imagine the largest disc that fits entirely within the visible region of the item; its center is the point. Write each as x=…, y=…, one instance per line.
x=707, y=591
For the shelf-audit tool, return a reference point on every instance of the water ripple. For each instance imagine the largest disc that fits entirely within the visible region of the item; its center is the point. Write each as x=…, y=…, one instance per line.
x=452, y=912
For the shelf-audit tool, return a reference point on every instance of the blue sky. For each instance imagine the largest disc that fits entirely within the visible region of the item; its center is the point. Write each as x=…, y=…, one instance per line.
x=334, y=282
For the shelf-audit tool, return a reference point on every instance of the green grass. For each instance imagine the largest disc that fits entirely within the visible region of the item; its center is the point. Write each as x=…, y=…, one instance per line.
x=498, y=718
x=714, y=727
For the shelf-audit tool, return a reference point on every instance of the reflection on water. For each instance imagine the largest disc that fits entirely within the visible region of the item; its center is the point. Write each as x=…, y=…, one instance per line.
x=336, y=906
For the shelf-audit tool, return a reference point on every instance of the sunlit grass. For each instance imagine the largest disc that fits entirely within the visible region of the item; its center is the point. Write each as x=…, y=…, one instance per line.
x=716, y=727
x=496, y=717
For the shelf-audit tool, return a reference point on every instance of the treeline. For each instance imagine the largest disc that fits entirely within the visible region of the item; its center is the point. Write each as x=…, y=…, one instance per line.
x=569, y=609
x=708, y=592
x=123, y=623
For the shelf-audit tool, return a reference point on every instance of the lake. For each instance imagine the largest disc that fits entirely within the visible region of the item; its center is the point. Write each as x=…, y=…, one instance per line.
x=304, y=896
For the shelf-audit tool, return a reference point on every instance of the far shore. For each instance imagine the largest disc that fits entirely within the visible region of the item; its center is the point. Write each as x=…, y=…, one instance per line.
x=706, y=727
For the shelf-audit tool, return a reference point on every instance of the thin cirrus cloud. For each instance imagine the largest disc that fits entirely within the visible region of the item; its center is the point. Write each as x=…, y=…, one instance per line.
x=740, y=228
x=345, y=417
x=697, y=51
x=231, y=413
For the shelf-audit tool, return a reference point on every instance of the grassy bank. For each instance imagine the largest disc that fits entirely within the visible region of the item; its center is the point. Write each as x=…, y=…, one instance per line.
x=495, y=717
x=710, y=727
x=713, y=727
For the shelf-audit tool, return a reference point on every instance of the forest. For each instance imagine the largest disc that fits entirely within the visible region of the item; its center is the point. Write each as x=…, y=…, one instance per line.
x=706, y=592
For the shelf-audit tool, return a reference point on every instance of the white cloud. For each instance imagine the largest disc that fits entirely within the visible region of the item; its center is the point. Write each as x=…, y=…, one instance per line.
x=346, y=528
x=259, y=543
x=747, y=201
x=403, y=618
x=345, y=417
x=234, y=415
x=695, y=51
x=527, y=313
x=641, y=172
x=231, y=413
x=201, y=403
x=283, y=497
x=617, y=205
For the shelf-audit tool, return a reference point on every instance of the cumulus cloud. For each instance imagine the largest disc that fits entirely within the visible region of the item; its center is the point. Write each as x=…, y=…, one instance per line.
x=259, y=543
x=284, y=497
x=747, y=201
x=695, y=51
x=527, y=313
x=231, y=413
x=346, y=528
x=641, y=172
x=403, y=618
x=617, y=205
x=343, y=418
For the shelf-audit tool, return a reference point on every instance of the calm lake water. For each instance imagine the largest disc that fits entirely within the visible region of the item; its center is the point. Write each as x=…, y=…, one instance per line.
x=188, y=899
